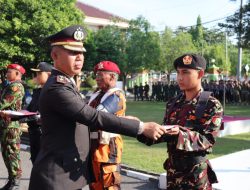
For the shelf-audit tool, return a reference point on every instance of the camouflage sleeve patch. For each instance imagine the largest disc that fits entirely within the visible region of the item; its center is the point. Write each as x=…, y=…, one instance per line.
x=216, y=121
x=14, y=88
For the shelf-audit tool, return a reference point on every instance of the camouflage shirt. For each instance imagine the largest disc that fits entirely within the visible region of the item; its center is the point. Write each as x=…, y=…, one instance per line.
x=11, y=99
x=196, y=135
x=187, y=166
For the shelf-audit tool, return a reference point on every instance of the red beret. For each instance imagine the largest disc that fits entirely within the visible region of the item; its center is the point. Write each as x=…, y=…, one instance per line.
x=17, y=67
x=107, y=66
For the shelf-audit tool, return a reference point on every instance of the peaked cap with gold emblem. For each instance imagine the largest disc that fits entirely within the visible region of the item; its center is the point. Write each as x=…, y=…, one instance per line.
x=191, y=61
x=70, y=38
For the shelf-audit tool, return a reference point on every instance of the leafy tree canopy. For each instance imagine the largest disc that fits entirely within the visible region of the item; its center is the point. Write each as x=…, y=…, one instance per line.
x=234, y=26
x=25, y=23
x=143, y=46
x=174, y=46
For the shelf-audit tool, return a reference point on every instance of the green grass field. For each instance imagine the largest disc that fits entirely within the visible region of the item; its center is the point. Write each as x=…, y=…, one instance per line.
x=140, y=156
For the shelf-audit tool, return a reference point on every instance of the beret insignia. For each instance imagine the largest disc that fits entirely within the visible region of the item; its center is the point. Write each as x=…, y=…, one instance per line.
x=100, y=66
x=187, y=60
x=107, y=66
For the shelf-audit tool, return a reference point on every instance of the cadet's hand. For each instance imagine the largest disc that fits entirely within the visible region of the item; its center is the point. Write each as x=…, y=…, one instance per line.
x=153, y=130
x=174, y=130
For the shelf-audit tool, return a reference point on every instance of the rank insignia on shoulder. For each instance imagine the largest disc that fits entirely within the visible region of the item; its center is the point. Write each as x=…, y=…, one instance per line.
x=62, y=79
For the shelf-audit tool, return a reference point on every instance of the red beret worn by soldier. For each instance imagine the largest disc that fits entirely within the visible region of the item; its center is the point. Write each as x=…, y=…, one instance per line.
x=106, y=148
x=11, y=99
x=16, y=67
x=107, y=66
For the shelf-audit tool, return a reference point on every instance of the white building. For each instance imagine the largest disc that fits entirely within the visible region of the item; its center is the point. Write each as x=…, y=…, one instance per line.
x=96, y=18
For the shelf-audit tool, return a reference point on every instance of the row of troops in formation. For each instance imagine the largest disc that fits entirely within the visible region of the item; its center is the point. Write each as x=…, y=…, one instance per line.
x=159, y=91
x=77, y=143
x=235, y=91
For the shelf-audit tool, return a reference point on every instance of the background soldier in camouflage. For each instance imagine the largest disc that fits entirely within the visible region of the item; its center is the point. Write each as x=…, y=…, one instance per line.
x=190, y=137
x=11, y=99
x=106, y=148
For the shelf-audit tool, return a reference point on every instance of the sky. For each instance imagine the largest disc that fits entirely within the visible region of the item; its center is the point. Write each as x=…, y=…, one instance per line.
x=171, y=13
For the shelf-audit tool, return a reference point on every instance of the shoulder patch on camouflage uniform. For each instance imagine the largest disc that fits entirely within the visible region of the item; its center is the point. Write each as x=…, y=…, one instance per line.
x=14, y=88
x=62, y=79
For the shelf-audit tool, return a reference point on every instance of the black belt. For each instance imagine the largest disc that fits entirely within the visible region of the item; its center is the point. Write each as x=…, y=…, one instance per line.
x=183, y=163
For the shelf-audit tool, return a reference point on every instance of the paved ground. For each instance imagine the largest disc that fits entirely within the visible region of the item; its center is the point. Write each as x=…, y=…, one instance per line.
x=128, y=183
x=233, y=172
x=26, y=165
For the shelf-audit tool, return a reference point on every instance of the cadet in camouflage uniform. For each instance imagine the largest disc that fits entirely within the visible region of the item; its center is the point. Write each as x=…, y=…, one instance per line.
x=11, y=99
x=190, y=138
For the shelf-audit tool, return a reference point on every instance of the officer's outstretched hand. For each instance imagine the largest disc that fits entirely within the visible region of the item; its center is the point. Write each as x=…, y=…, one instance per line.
x=5, y=116
x=153, y=130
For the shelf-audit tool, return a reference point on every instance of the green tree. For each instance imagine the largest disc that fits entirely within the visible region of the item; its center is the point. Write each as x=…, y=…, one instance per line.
x=107, y=43
x=90, y=57
x=25, y=23
x=143, y=46
x=213, y=36
x=134, y=49
x=217, y=52
x=234, y=26
x=198, y=35
x=110, y=43
x=233, y=57
x=174, y=46
x=166, y=57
